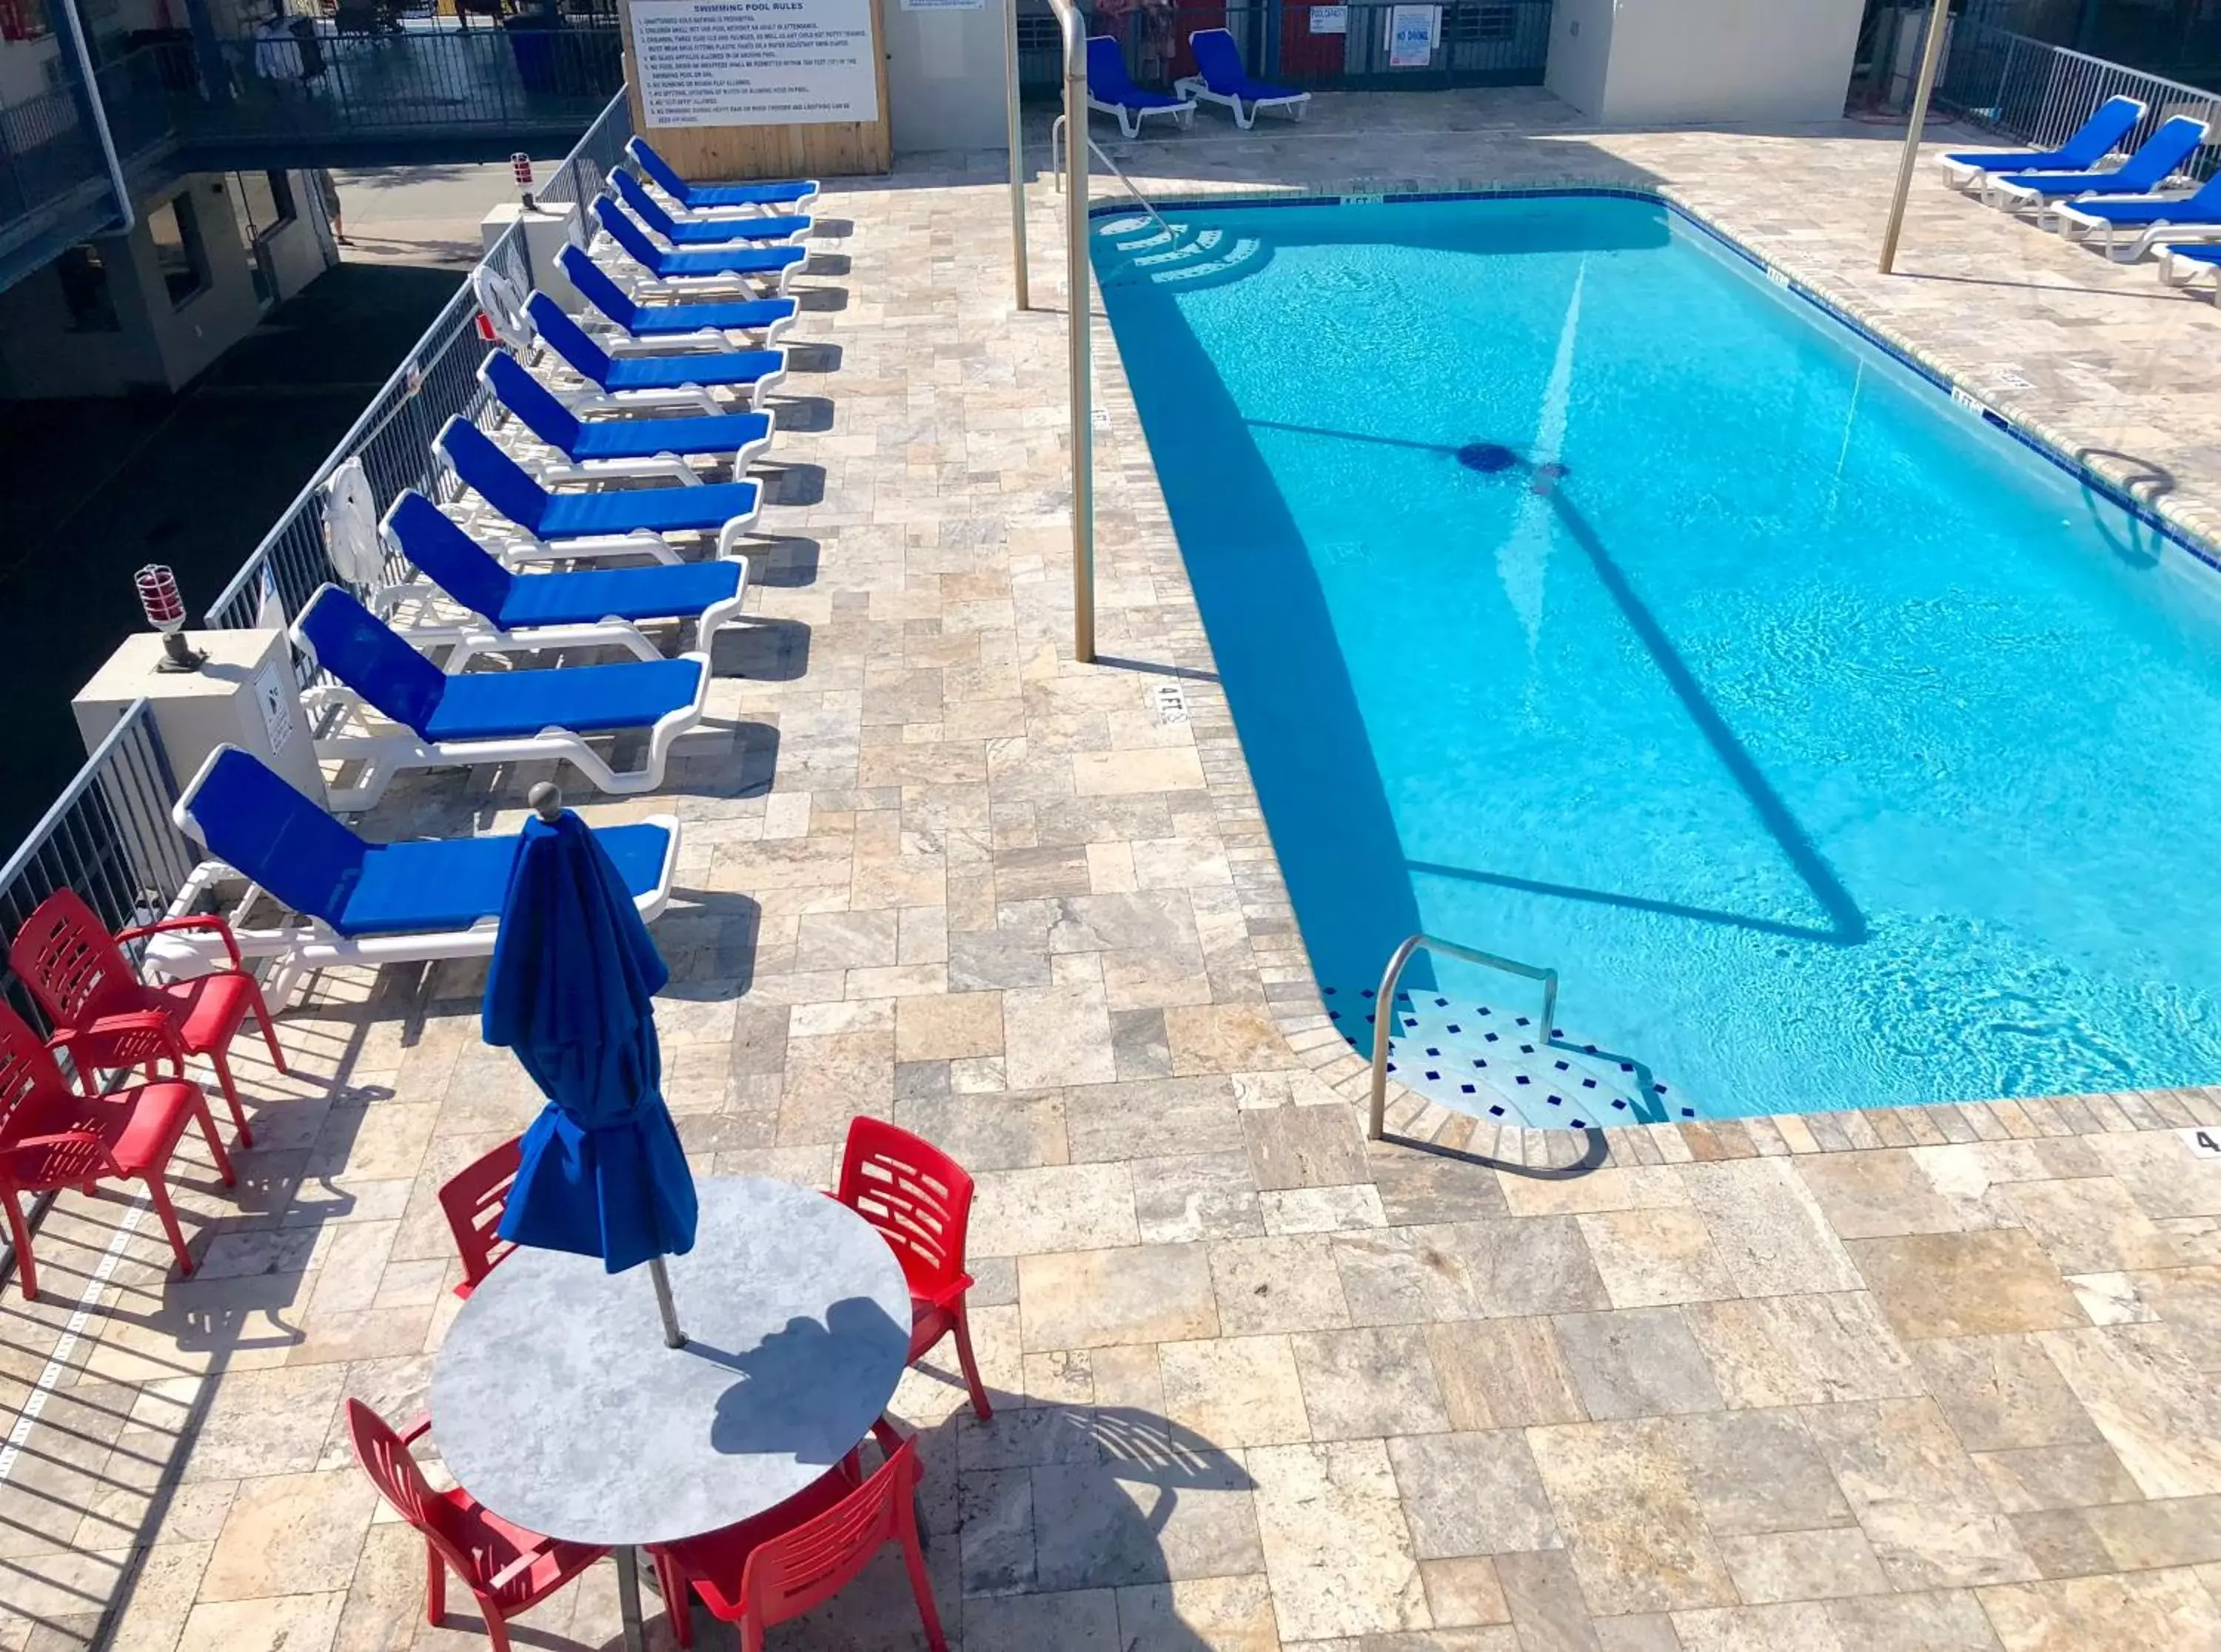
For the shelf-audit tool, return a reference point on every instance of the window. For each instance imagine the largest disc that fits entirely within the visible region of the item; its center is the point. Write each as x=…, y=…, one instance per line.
x=1480, y=20
x=1038, y=32
x=265, y=202
x=177, y=250
x=85, y=292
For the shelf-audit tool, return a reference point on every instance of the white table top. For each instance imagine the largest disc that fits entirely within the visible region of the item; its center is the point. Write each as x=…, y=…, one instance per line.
x=556, y=1404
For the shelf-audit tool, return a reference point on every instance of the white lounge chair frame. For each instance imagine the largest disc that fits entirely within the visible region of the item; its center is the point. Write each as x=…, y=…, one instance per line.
x=2093, y=230
x=557, y=468
x=2184, y=272
x=297, y=950
x=1130, y=118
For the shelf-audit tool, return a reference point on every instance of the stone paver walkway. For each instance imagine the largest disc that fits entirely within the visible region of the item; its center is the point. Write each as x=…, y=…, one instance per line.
x=1932, y=1380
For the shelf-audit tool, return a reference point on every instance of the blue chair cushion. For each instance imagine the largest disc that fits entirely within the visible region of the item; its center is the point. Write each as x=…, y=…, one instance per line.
x=645, y=438
x=659, y=593
x=737, y=229
x=362, y=652
x=584, y=699
x=698, y=367
x=621, y=511
x=661, y=321
x=714, y=194
x=733, y=260
x=254, y=821
x=408, y=888
x=450, y=558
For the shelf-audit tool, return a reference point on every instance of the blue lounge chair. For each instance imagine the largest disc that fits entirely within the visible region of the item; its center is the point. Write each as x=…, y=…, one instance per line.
x=794, y=193
x=2155, y=160
x=702, y=231
x=437, y=720
x=570, y=525
x=2146, y=222
x=369, y=903
x=620, y=448
x=696, y=371
x=659, y=323
x=2108, y=127
x=1220, y=79
x=1112, y=91
x=720, y=265
x=593, y=605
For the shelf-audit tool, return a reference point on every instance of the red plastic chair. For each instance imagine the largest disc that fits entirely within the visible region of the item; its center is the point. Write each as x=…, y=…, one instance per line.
x=800, y=1554
x=507, y=1569
x=474, y=1198
x=920, y=1200
x=105, y=1016
x=52, y=1138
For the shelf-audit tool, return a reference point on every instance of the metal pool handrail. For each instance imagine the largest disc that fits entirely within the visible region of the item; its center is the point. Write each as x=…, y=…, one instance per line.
x=1384, y=1011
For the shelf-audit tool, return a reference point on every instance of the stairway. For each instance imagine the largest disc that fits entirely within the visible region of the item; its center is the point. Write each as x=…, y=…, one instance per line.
x=1132, y=249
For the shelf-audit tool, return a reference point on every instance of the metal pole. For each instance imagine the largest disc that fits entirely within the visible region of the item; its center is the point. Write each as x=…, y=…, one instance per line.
x=1931, y=55
x=672, y=1337
x=1081, y=306
x=1017, y=159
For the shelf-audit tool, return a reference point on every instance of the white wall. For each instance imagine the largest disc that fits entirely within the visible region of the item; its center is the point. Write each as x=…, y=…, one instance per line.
x=1671, y=62
x=945, y=77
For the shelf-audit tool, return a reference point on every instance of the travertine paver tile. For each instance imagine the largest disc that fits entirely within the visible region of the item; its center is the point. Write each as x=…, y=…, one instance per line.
x=1368, y=1383
x=1120, y=1521
x=1095, y=1298
x=1057, y=1035
x=1201, y=1196
x=1217, y=1614
x=1769, y=1229
x=2091, y=1226
x=1503, y=1373
x=2001, y=1393
x=1622, y=1495
x=1617, y=1186
x=1651, y=1257
x=1945, y=1620
x=1756, y=1471
x=1416, y=1188
x=1084, y=1620
x=1635, y=1363
x=1920, y=1501
x=1543, y=1597
x=949, y=1026
x=1234, y=1391
x=2160, y=1173
x=1154, y=1118
x=1277, y=1284
x=1788, y=1351
x=2061, y=1542
x=1966, y=1284
x=1876, y=1194
x=1804, y=1625
x=1304, y=1147
x=1463, y=1591
x=1053, y=1207
x=2104, y=1614
x=2159, y=1415
x=1780, y=1566
x=291, y=1534
x=2140, y=1537
x=1471, y=1494
x=1336, y=1547
x=2056, y=1476
x=290, y=1622
x=1001, y=1131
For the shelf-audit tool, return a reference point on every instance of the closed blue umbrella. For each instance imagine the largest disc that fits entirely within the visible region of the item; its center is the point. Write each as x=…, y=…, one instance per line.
x=571, y=991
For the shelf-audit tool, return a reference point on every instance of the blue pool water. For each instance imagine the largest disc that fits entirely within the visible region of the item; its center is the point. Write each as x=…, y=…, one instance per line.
x=1840, y=751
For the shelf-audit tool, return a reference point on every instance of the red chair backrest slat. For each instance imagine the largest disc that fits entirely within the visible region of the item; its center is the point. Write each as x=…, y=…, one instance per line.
x=800, y=1569
x=72, y=966
x=29, y=1079
x=474, y=1198
x=385, y=1457
x=917, y=1197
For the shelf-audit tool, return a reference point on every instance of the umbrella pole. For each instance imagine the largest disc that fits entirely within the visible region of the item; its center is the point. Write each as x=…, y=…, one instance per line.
x=672, y=1337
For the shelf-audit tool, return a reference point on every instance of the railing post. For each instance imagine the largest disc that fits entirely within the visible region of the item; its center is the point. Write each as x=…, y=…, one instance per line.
x=1079, y=306
x=1018, y=157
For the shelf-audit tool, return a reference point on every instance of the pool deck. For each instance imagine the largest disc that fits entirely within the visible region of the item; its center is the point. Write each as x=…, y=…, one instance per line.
x=1896, y=1381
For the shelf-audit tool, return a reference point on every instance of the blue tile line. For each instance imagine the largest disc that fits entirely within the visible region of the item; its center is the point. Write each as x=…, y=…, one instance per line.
x=2173, y=532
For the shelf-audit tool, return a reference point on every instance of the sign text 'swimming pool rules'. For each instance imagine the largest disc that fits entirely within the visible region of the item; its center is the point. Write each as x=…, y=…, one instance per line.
x=754, y=62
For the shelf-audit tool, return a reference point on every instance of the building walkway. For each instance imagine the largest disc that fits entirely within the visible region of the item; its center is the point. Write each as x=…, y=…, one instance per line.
x=1881, y=1382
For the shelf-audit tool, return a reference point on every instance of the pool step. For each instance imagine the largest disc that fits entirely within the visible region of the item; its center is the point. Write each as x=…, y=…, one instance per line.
x=1492, y=1062
x=1164, y=253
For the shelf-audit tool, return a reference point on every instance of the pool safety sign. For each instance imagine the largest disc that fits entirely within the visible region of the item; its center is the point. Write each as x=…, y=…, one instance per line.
x=1330, y=20
x=754, y=62
x=1411, y=31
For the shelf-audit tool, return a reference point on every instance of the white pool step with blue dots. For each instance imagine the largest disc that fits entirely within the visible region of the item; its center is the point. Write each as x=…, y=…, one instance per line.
x=1495, y=1061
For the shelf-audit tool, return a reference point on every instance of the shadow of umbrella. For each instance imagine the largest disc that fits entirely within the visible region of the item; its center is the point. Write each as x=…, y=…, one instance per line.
x=797, y=1378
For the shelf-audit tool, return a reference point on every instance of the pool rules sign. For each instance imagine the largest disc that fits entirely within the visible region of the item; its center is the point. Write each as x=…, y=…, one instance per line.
x=716, y=63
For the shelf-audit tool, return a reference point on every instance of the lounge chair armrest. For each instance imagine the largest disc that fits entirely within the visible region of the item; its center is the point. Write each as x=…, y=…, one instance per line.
x=207, y=921
x=417, y=1430
x=132, y=1024
x=525, y=1561
x=730, y=535
x=949, y=1294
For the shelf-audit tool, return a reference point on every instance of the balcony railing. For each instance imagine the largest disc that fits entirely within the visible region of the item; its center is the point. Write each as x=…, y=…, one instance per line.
x=2031, y=92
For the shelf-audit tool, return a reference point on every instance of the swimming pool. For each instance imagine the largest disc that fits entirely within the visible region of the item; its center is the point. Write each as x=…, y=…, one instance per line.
x=1583, y=596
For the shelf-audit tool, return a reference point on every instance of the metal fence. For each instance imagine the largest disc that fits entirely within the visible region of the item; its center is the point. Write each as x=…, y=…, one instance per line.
x=108, y=837
x=393, y=437
x=1377, y=45
x=2036, y=93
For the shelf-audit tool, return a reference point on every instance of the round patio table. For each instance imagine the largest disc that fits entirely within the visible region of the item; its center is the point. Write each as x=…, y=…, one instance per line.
x=557, y=1405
